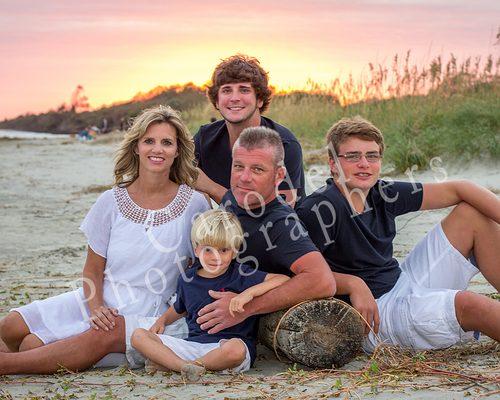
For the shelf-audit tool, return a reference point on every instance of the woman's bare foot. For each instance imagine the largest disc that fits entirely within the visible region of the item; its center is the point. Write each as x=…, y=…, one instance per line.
x=192, y=372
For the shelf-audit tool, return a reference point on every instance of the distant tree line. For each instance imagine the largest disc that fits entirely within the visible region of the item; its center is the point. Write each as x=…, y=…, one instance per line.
x=73, y=118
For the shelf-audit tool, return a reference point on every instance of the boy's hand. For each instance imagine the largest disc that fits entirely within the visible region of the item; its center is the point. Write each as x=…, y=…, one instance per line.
x=237, y=303
x=158, y=327
x=363, y=301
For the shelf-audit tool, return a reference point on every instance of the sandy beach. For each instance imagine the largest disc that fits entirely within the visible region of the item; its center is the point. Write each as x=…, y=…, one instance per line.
x=46, y=188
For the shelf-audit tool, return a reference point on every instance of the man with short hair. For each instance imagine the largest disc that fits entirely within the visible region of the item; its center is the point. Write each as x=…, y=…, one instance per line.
x=239, y=90
x=421, y=303
x=274, y=238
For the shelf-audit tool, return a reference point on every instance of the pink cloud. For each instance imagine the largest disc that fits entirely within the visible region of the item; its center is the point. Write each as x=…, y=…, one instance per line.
x=52, y=46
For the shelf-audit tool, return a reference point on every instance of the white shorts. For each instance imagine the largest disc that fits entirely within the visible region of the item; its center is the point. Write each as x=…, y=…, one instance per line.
x=419, y=311
x=132, y=357
x=191, y=351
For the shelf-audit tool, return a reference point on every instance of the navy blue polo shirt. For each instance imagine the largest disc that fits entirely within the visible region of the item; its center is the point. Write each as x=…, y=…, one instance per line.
x=360, y=244
x=214, y=155
x=192, y=296
x=274, y=236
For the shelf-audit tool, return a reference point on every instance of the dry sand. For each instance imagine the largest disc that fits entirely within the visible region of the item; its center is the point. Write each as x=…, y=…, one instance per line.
x=47, y=186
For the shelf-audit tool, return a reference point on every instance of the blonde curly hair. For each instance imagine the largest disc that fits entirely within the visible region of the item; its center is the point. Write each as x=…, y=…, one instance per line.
x=183, y=171
x=219, y=229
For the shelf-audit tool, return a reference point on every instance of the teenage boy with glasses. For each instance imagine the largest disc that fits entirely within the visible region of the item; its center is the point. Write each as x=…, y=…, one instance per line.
x=421, y=303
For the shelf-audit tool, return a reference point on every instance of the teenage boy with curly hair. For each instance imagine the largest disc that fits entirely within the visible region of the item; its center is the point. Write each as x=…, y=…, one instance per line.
x=239, y=90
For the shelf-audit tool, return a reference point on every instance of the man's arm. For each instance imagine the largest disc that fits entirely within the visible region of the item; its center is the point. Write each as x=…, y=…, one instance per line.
x=294, y=172
x=446, y=194
x=313, y=280
x=290, y=196
x=208, y=186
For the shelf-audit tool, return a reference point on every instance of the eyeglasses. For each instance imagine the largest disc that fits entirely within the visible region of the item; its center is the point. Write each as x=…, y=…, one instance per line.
x=355, y=156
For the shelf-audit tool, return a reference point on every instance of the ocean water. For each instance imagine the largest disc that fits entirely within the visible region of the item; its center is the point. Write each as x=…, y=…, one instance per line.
x=10, y=134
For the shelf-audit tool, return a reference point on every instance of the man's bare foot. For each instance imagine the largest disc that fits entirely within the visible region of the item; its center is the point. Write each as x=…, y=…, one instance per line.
x=192, y=372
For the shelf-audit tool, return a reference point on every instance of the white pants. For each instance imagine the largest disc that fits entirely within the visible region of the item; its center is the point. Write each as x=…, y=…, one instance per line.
x=191, y=351
x=419, y=311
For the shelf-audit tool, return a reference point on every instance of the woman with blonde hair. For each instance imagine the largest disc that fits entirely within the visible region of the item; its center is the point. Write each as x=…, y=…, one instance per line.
x=138, y=236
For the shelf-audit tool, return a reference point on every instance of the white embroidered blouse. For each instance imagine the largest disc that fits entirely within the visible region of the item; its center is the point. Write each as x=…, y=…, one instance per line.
x=145, y=250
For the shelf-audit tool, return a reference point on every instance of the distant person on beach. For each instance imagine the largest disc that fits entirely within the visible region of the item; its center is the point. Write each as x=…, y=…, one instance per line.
x=421, y=303
x=84, y=135
x=138, y=236
x=216, y=237
x=94, y=131
x=104, y=127
x=239, y=89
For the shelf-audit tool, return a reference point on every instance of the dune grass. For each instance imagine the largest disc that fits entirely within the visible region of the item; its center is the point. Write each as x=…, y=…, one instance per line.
x=445, y=109
x=448, y=111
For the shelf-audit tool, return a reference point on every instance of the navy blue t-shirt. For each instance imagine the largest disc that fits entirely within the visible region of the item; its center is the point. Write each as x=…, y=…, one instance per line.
x=215, y=157
x=274, y=236
x=360, y=244
x=192, y=296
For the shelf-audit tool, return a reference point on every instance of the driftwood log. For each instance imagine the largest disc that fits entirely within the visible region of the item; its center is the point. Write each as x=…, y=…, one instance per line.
x=320, y=333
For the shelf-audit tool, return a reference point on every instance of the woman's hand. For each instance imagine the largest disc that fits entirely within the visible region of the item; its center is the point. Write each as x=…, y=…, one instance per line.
x=237, y=303
x=103, y=318
x=158, y=327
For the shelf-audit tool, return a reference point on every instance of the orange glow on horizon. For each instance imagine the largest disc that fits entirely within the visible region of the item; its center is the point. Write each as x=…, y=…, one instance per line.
x=116, y=50
x=282, y=65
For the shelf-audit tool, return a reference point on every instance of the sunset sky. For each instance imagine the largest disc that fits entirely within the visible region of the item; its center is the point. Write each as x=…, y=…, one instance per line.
x=118, y=48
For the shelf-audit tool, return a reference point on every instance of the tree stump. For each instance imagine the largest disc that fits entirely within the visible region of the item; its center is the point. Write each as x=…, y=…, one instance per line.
x=324, y=333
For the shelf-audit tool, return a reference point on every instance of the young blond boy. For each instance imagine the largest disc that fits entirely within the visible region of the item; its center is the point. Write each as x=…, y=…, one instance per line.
x=216, y=236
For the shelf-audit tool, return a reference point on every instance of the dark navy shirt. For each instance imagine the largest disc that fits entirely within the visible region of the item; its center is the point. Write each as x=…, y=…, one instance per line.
x=360, y=244
x=215, y=156
x=192, y=296
x=274, y=236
